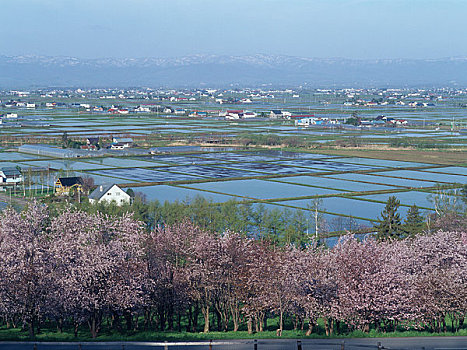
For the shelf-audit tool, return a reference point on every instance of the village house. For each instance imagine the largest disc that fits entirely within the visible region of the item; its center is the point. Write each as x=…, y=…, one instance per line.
x=92, y=144
x=233, y=114
x=10, y=175
x=143, y=108
x=94, y=141
x=120, y=143
x=248, y=114
x=305, y=121
x=180, y=111
x=277, y=113
x=66, y=185
x=109, y=194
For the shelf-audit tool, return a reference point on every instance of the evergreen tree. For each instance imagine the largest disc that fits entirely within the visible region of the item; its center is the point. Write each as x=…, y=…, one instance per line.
x=390, y=226
x=64, y=140
x=414, y=223
x=463, y=193
x=130, y=192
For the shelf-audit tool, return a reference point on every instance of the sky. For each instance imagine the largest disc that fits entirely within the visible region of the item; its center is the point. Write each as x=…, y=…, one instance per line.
x=359, y=29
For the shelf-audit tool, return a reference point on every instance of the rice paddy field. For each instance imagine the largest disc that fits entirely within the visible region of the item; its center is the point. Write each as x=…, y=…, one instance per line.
x=199, y=156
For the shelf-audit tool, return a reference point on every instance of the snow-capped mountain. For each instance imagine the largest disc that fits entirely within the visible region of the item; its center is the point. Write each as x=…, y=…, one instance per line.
x=216, y=70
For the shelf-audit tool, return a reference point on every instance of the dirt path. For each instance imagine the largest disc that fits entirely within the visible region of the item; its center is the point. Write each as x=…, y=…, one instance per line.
x=14, y=200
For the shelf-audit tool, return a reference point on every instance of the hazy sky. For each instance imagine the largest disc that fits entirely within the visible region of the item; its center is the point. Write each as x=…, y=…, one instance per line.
x=167, y=28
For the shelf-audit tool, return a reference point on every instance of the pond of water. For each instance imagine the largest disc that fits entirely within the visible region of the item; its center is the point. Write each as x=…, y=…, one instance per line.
x=65, y=165
x=412, y=174
x=164, y=193
x=456, y=170
x=421, y=199
x=260, y=189
x=145, y=175
x=123, y=162
x=211, y=171
x=337, y=184
x=269, y=168
x=347, y=206
x=380, y=162
x=389, y=181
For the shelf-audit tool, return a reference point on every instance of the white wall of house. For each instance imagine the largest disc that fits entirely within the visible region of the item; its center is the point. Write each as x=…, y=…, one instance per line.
x=116, y=194
x=10, y=180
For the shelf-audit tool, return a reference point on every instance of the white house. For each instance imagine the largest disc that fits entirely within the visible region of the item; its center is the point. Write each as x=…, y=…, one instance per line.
x=305, y=121
x=142, y=108
x=120, y=143
x=277, y=113
x=234, y=114
x=10, y=175
x=180, y=111
x=109, y=194
x=248, y=114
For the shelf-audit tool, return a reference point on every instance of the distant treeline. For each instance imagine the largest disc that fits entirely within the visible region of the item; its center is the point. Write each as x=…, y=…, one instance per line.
x=257, y=220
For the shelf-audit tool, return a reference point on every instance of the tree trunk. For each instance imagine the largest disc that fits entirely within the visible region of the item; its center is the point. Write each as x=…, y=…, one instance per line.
x=189, y=326
x=135, y=322
x=461, y=322
x=195, y=317
x=31, y=328
x=263, y=321
x=170, y=313
x=76, y=326
x=219, y=320
x=281, y=320
x=161, y=313
x=326, y=326
x=38, y=325
x=179, y=321
x=60, y=325
x=128, y=320
x=94, y=324
x=310, y=328
x=235, y=318
x=249, y=325
x=205, y=310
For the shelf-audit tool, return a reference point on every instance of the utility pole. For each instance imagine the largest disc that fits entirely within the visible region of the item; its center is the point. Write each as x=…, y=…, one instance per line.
x=316, y=222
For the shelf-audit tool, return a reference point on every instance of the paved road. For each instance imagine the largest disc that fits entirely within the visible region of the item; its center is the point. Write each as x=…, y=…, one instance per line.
x=418, y=343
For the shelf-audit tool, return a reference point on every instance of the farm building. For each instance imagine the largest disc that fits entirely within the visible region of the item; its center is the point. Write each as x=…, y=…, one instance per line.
x=277, y=113
x=10, y=175
x=65, y=185
x=48, y=151
x=109, y=193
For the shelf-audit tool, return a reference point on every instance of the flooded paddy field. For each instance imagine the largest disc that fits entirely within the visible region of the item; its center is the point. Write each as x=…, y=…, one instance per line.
x=351, y=188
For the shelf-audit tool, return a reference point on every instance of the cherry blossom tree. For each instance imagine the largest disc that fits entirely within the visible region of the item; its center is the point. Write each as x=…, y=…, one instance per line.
x=98, y=265
x=25, y=279
x=167, y=252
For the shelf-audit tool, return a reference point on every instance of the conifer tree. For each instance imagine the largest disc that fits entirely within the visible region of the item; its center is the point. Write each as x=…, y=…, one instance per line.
x=390, y=225
x=414, y=223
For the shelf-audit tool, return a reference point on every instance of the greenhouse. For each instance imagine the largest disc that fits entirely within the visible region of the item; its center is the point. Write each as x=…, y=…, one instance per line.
x=49, y=151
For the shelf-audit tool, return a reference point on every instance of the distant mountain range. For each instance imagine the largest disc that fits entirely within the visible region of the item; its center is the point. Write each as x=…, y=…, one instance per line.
x=221, y=71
